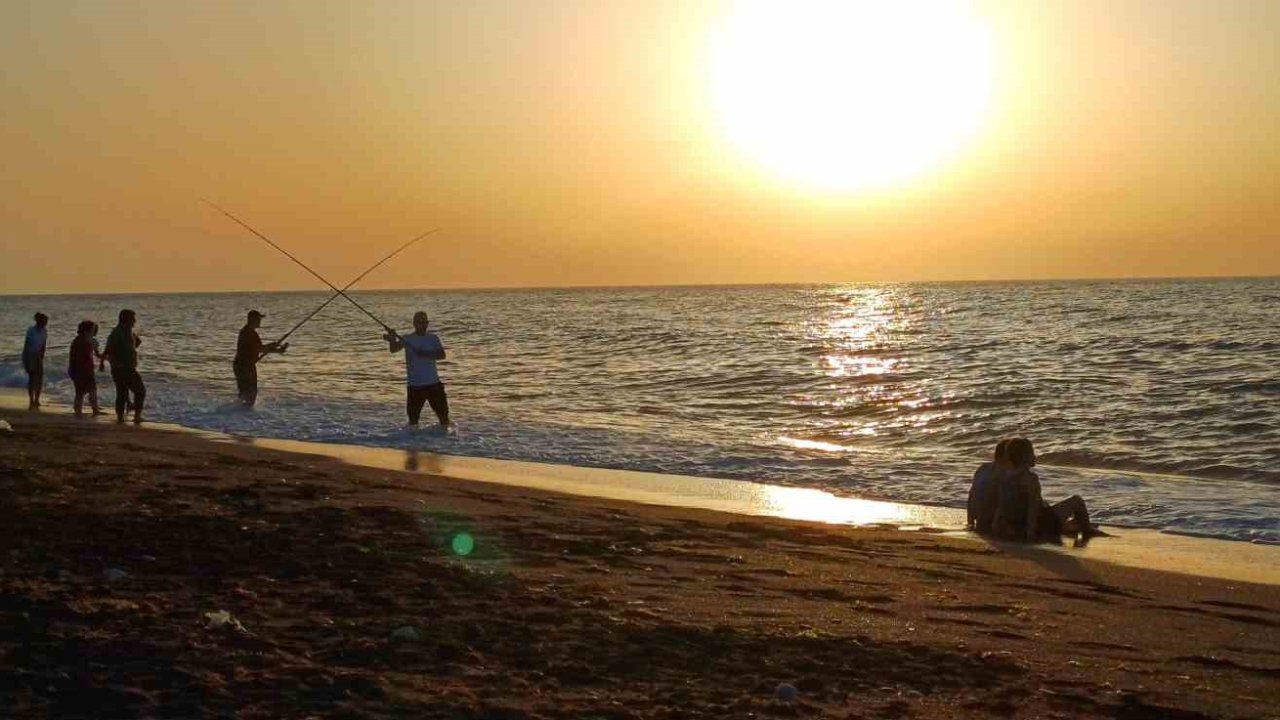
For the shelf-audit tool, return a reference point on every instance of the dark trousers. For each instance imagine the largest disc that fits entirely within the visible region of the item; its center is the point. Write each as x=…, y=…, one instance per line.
x=127, y=381
x=247, y=383
x=433, y=394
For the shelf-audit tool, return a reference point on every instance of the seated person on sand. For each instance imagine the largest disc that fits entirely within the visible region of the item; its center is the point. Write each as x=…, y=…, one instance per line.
x=982, y=493
x=1021, y=512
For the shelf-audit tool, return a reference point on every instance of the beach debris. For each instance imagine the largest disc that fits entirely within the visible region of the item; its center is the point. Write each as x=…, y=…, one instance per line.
x=4, y=425
x=114, y=575
x=406, y=633
x=786, y=692
x=222, y=619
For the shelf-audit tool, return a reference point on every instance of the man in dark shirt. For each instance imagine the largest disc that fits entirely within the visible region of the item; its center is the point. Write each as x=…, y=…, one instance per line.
x=122, y=353
x=249, y=350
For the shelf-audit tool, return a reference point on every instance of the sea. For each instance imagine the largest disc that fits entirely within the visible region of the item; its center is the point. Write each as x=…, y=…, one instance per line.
x=1158, y=401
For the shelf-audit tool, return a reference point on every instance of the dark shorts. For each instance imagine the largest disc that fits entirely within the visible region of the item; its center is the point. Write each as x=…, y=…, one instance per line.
x=432, y=394
x=246, y=378
x=84, y=382
x=33, y=365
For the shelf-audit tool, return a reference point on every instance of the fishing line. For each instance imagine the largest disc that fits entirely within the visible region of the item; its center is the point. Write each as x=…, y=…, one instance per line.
x=303, y=265
x=346, y=287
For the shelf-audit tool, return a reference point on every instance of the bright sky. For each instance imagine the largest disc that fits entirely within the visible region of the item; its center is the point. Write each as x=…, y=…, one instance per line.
x=622, y=143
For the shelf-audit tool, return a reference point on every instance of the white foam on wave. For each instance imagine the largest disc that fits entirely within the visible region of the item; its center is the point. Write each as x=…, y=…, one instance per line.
x=717, y=381
x=1170, y=503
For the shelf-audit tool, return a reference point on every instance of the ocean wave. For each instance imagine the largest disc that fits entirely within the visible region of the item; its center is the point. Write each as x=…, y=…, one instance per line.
x=1171, y=379
x=11, y=374
x=1215, y=345
x=1184, y=468
x=1260, y=387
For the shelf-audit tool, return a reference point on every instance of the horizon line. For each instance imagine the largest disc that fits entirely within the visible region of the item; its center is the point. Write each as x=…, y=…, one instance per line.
x=657, y=286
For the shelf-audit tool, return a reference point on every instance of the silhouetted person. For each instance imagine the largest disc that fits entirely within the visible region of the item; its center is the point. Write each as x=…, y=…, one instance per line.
x=33, y=358
x=421, y=351
x=84, y=357
x=982, y=493
x=1021, y=512
x=122, y=353
x=249, y=350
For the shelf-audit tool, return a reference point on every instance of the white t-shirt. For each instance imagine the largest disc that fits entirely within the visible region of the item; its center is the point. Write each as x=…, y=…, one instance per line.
x=421, y=370
x=36, y=337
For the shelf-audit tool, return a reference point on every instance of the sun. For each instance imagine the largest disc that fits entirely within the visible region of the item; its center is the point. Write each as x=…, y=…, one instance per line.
x=852, y=95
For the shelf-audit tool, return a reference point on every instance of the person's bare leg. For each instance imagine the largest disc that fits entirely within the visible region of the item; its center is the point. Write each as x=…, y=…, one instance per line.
x=1073, y=512
x=139, y=399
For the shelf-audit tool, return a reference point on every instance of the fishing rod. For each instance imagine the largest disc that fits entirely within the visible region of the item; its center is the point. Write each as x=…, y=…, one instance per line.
x=348, y=286
x=303, y=265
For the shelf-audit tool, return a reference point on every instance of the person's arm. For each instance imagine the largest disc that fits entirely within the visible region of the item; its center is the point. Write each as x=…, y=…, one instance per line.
x=434, y=353
x=272, y=347
x=1034, y=502
x=394, y=343
x=972, y=505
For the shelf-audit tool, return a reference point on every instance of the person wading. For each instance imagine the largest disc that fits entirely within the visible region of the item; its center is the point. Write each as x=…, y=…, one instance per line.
x=249, y=350
x=421, y=351
x=122, y=353
x=33, y=358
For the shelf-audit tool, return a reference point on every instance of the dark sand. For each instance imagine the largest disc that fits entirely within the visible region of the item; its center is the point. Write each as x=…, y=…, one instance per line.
x=567, y=607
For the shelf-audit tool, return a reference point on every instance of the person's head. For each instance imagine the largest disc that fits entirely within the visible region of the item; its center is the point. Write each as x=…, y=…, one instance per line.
x=85, y=327
x=1001, y=455
x=41, y=319
x=420, y=321
x=254, y=319
x=128, y=318
x=1021, y=454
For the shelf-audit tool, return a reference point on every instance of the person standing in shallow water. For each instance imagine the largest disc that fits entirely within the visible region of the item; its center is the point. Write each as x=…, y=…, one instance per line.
x=33, y=358
x=249, y=350
x=421, y=351
x=80, y=367
x=122, y=353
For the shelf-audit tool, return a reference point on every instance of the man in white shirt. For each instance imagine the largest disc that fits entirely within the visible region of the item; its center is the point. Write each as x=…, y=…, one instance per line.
x=421, y=351
x=33, y=358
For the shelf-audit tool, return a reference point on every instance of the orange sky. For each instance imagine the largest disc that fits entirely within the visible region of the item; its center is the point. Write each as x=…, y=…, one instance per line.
x=574, y=143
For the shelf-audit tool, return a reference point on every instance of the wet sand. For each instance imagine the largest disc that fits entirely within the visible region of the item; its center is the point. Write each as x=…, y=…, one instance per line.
x=370, y=592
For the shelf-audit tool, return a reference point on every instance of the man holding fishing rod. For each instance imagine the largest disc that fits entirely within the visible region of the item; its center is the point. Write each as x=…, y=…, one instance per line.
x=421, y=351
x=249, y=350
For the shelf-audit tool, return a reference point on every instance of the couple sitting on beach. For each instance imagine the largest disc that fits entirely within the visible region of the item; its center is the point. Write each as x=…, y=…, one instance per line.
x=1005, y=501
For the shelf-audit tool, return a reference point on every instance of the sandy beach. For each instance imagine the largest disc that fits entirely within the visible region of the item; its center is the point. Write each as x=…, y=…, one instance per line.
x=365, y=592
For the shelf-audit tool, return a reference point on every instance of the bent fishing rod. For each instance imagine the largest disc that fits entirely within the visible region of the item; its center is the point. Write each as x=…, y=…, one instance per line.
x=303, y=265
x=348, y=286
